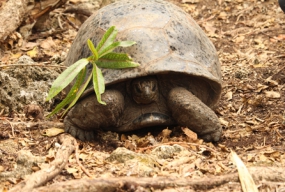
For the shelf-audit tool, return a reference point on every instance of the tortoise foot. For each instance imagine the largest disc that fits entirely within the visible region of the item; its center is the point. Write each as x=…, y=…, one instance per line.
x=190, y=111
x=88, y=115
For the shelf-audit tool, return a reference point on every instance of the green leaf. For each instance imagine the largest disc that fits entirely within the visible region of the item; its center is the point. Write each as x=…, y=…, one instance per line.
x=116, y=57
x=107, y=39
x=114, y=45
x=72, y=93
x=108, y=49
x=116, y=61
x=102, y=57
x=117, y=65
x=66, y=77
x=92, y=49
x=79, y=93
x=126, y=43
x=98, y=83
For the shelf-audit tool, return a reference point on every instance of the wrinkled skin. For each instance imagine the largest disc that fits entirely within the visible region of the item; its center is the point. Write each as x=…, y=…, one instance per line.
x=146, y=102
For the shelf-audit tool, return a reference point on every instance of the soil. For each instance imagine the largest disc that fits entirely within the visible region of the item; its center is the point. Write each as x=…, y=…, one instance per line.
x=249, y=37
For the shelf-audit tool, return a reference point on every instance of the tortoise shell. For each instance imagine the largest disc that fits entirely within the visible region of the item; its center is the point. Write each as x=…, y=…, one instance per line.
x=168, y=41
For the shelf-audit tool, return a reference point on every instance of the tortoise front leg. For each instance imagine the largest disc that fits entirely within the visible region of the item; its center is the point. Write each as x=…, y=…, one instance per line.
x=89, y=115
x=190, y=111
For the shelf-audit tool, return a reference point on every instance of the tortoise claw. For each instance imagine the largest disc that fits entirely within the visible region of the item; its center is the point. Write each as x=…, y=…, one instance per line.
x=77, y=133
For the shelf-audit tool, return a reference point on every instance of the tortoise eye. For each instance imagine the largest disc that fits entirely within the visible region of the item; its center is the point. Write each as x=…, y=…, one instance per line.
x=153, y=87
x=137, y=89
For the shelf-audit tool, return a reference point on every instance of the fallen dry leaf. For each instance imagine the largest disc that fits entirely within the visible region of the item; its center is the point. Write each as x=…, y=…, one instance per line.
x=229, y=95
x=260, y=87
x=190, y=134
x=47, y=43
x=223, y=15
x=190, y=1
x=223, y=122
x=272, y=94
x=51, y=132
x=245, y=178
x=33, y=52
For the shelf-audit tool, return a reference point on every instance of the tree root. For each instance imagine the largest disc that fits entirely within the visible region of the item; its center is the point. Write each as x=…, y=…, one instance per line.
x=272, y=174
x=12, y=15
x=43, y=176
x=133, y=183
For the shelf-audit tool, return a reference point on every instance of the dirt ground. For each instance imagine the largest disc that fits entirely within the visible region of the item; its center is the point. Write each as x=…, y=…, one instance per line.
x=249, y=37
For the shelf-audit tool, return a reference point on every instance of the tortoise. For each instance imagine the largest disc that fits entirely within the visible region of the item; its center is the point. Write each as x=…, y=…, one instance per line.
x=178, y=81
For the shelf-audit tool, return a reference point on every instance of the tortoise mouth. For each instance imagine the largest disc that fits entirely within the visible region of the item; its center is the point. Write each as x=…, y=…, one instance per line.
x=152, y=119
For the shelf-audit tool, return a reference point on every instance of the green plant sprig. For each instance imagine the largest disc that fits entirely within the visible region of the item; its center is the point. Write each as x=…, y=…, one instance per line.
x=102, y=57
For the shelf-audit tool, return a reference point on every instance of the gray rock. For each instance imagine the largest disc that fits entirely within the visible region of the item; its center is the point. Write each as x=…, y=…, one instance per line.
x=22, y=85
x=166, y=151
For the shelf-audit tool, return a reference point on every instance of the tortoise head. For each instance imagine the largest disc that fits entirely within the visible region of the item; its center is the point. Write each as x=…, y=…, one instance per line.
x=144, y=90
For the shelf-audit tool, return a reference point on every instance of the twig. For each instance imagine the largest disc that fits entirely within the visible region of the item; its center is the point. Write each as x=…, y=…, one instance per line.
x=45, y=34
x=78, y=162
x=257, y=31
x=78, y=10
x=72, y=24
x=13, y=132
x=205, y=20
x=42, y=124
x=25, y=65
x=270, y=183
x=59, y=22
